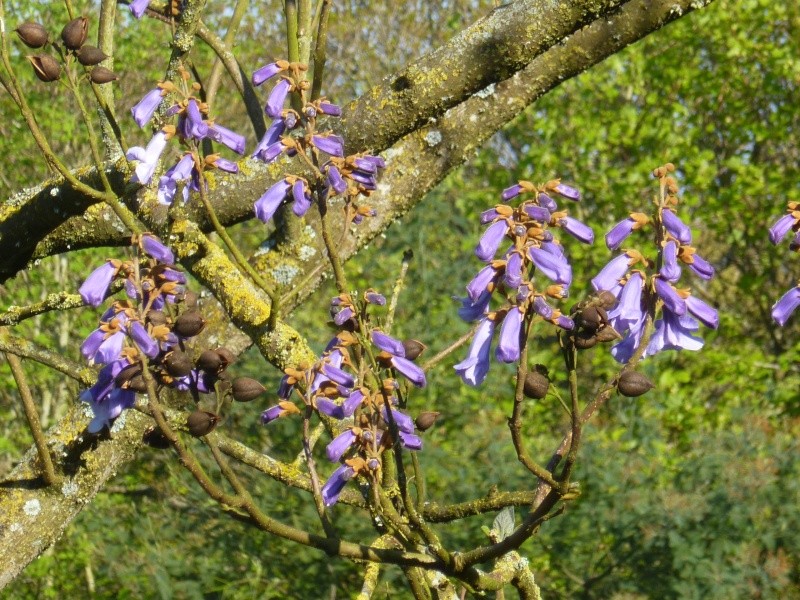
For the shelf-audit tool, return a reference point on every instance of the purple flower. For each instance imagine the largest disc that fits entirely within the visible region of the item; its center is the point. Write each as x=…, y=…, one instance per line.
x=270, y=146
x=409, y=441
x=568, y=192
x=670, y=269
x=701, y=268
x=387, y=343
x=277, y=97
x=619, y=233
x=702, y=312
x=511, y=192
x=399, y=362
x=152, y=246
x=330, y=109
x=168, y=184
x=513, y=274
x=629, y=310
x=473, y=310
x=490, y=240
x=223, y=164
x=267, y=72
x=302, y=198
x=95, y=289
x=609, y=276
x=580, y=231
x=144, y=110
x=784, y=307
x=474, y=368
x=340, y=444
x=146, y=343
x=137, y=9
x=194, y=127
x=781, y=228
x=330, y=144
x=223, y=135
x=623, y=351
x=508, y=347
x=673, y=332
x=537, y=213
x=373, y=297
x=547, y=202
x=335, y=180
x=147, y=157
x=676, y=227
x=335, y=484
x=672, y=300
x=480, y=283
x=104, y=346
x=554, y=266
x=266, y=206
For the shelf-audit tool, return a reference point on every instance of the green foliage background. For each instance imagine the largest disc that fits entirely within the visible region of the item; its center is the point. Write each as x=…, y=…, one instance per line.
x=688, y=492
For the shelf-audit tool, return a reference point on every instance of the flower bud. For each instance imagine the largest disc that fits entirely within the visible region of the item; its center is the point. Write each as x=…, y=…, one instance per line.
x=102, y=75
x=201, y=422
x=32, y=35
x=89, y=56
x=189, y=324
x=45, y=67
x=178, y=363
x=188, y=297
x=633, y=384
x=209, y=361
x=536, y=383
x=426, y=419
x=413, y=348
x=246, y=389
x=75, y=32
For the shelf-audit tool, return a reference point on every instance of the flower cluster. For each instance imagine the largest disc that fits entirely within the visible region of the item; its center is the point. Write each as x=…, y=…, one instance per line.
x=532, y=248
x=139, y=332
x=784, y=307
x=193, y=126
x=292, y=132
x=368, y=414
x=644, y=287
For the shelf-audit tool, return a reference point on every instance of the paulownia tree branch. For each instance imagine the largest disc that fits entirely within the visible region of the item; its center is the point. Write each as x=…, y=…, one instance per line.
x=31, y=516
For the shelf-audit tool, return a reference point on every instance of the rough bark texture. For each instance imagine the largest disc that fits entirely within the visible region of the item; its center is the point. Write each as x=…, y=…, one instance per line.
x=32, y=516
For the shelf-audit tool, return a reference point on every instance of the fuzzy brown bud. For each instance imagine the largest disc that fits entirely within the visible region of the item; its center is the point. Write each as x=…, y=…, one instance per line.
x=246, y=389
x=102, y=75
x=90, y=56
x=413, y=348
x=536, y=383
x=32, y=35
x=75, y=32
x=633, y=384
x=45, y=67
x=189, y=324
x=209, y=361
x=178, y=363
x=201, y=422
x=426, y=419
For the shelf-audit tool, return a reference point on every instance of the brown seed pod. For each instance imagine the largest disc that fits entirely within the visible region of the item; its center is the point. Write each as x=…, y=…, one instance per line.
x=124, y=377
x=209, y=361
x=189, y=298
x=89, y=56
x=226, y=356
x=102, y=75
x=246, y=389
x=633, y=384
x=178, y=363
x=606, y=299
x=592, y=317
x=201, y=422
x=536, y=383
x=156, y=317
x=154, y=438
x=75, y=32
x=607, y=334
x=426, y=419
x=584, y=342
x=32, y=35
x=189, y=324
x=45, y=67
x=413, y=348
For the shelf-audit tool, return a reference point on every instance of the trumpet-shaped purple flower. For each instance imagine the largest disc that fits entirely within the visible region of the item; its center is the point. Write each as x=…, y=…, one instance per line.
x=267, y=72
x=670, y=269
x=672, y=300
x=270, y=146
x=137, y=8
x=95, y=289
x=580, y=231
x=330, y=144
x=513, y=274
x=486, y=277
x=629, y=310
x=266, y=206
x=335, y=180
x=147, y=157
x=302, y=198
x=143, y=339
x=674, y=332
x=223, y=135
x=619, y=233
x=144, y=110
x=340, y=444
x=609, y=276
x=784, y=307
x=508, y=346
x=677, y=228
x=335, y=484
x=472, y=310
x=554, y=265
x=474, y=368
x=781, y=227
x=397, y=358
x=153, y=247
x=568, y=192
x=707, y=315
x=701, y=267
x=277, y=98
x=491, y=240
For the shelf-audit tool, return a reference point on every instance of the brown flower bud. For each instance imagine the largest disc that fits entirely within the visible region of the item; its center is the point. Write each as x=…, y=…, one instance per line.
x=413, y=348
x=536, y=383
x=189, y=324
x=154, y=438
x=246, y=389
x=178, y=363
x=226, y=356
x=32, y=35
x=209, y=361
x=633, y=384
x=426, y=419
x=102, y=75
x=45, y=67
x=89, y=56
x=201, y=422
x=75, y=32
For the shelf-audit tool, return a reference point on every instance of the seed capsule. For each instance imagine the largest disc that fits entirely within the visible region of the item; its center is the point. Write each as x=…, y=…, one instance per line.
x=201, y=422
x=536, y=383
x=584, y=342
x=178, y=363
x=426, y=419
x=607, y=334
x=189, y=324
x=209, y=361
x=32, y=35
x=226, y=357
x=89, y=56
x=606, y=299
x=156, y=317
x=246, y=389
x=45, y=67
x=633, y=384
x=75, y=32
x=155, y=439
x=102, y=75
x=413, y=348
